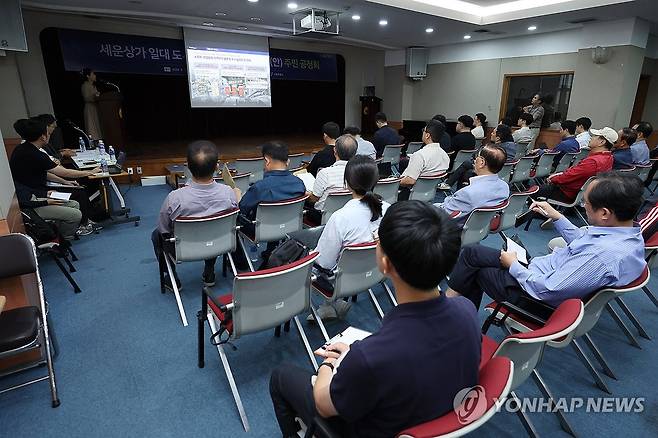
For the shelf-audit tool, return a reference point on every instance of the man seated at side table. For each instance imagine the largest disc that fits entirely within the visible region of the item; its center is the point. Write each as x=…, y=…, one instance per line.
x=410, y=370
x=609, y=253
x=485, y=189
x=201, y=197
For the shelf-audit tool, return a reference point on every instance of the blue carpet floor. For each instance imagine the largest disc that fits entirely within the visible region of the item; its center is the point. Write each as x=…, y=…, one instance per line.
x=127, y=367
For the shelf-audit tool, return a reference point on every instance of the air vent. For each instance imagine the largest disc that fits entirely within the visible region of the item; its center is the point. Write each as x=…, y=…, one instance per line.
x=583, y=20
x=488, y=32
x=481, y=31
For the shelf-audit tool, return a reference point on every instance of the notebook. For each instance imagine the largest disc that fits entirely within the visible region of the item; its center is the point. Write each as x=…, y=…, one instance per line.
x=59, y=195
x=347, y=336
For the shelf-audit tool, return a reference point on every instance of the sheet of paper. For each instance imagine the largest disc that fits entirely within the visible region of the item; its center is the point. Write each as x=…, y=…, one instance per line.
x=226, y=176
x=347, y=336
x=520, y=251
x=307, y=179
x=61, y=196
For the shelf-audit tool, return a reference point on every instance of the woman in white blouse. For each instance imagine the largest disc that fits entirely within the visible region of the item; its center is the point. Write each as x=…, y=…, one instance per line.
x=357, y=222
x=479, y=121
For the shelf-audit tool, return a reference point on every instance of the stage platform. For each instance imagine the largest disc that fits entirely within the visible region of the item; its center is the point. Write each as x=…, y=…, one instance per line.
x=153, y=157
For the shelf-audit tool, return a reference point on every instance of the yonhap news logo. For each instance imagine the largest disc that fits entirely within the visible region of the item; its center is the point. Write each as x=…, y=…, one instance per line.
x=470, y=404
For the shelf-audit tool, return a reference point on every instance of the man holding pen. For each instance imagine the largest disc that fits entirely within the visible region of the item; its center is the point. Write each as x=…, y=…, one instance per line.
x=608, y=253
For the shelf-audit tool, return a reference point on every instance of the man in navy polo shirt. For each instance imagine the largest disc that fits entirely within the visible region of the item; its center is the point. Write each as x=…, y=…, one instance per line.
x=426, y=351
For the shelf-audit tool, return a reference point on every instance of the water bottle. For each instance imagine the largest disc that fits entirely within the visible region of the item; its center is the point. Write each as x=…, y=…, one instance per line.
x=110, y=151
x=81, y=144
x=104, y=165
x=101, y=148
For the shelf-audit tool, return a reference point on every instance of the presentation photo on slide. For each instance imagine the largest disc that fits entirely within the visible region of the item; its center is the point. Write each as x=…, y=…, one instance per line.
x=229, y=78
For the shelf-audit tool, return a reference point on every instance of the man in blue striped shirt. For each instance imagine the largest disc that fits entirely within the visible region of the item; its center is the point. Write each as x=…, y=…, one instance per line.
x=609, y=253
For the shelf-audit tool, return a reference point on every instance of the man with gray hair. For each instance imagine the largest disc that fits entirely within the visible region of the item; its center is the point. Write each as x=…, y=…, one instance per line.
x=331, y=178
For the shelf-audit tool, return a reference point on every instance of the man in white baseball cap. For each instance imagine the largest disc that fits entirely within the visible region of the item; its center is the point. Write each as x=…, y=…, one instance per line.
x=607, y=133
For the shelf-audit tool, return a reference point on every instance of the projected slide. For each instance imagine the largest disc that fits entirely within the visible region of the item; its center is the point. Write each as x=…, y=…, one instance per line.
x=228, y=78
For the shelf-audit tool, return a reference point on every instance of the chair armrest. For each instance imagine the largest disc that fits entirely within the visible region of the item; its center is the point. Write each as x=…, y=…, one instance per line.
x=223, y=307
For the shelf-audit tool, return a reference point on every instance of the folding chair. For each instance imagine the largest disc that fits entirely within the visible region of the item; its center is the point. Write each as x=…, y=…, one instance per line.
x=565, y=161
x=461, y=156
x=425, y=187
x=516, y=206
x=526, y=350
x=579, y=156
x=242, y=181
x=494, y=383
x=506, y=172
x=563, y=206
x=650, y=251
x=355, y=272
x=521, y=172
x=392, y=154
x=196, y=239
x=334, y=202
x=478, y=223
x=295, y=160
x=274, y=221
x=593, y=305
x=522, y=149
x=255, y=166
x=414, y=146
x=260, y=301
x=388, y=189
x=642, y=171
x=23, y=329
x=544, y=166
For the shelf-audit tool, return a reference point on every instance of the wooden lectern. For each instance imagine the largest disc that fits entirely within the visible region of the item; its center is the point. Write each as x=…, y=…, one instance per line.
x=111, y=118
x=370, y=105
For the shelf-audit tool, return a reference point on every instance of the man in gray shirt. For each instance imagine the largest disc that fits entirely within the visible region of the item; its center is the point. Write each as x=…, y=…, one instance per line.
x=536, y=110
x=201, y=197
x=364, y=147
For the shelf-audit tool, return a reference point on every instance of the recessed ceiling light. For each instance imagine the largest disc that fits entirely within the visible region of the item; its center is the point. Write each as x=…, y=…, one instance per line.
x=292, y=6
x=532, y=28
x=242, y=27
x=256, y=19
x=429, y=30
x=467, y=37
x=383, y=22
x=208, y=23
x=221, y=14
x=252, y=1
x=356, y=17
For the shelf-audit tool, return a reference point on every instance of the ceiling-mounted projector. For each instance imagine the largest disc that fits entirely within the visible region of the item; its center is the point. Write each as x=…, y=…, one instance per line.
x=312, y=21
x=316, y=22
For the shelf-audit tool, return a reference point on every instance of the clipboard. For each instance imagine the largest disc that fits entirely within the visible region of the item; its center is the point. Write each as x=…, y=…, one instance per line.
x=227, y=178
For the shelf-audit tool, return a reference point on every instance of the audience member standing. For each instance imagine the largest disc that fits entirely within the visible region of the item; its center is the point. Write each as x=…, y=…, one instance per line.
x=385, y=135
x=435, y=340
x=325, y=158
x=536, y=110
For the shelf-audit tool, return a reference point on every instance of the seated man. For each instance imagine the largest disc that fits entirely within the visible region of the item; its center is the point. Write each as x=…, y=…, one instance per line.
x=565, y=186
x=464, y=139
x=484, y=190
x=435, y=340
x=523, y=134
x=332, y=178
x=568, y=143
x=445, y=141
x=52, y=148
x=385, y=135
x=583, y=136
x=277, y=184
x=65, y=214
x=621, y=152
x=201, y=197
x=609, y=253
x=431, y=159
x=640, y=149
x=325, y=158
x=364, y=146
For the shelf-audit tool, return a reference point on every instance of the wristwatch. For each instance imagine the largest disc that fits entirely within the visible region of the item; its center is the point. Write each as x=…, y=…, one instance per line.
x=328, y=364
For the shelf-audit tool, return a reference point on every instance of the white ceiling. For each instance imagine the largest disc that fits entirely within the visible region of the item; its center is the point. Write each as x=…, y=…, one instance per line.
x=405, y=27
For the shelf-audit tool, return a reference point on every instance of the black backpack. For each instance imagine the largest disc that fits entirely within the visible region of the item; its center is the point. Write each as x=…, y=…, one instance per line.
x=289, y=251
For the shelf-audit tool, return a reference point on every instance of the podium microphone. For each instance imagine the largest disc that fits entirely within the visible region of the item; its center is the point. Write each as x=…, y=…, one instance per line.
x=104, y=82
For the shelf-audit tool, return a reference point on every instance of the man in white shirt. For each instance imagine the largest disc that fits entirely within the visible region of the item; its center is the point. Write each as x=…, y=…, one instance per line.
x=430, y=160
x=582, y=132
x=364, y=146
x=523, y=134
x=331, y=178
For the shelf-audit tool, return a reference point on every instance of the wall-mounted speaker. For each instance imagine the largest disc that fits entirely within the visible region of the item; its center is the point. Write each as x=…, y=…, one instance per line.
x=416, y=66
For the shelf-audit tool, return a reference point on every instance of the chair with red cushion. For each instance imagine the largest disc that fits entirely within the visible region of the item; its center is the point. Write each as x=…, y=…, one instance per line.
x=516, y=319
x=260, y=301
x=526, y=349
x=388, y=189
x=295, y=160
x=355, y=272
x=494, y=383
x=650, y=251
x=425, y=187
x=274, y=221
x=336, y=200
x=544, y=165
x=478, y=223
x=515, y=207
x=522, y=171
x=255, y=166
x=565, y=161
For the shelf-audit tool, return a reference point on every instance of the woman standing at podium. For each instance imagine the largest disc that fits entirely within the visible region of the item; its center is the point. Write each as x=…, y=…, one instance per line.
x=90, y=96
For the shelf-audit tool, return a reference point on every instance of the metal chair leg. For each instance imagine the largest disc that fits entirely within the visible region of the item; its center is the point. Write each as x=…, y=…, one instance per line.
x=597, y=377
x=68, y=262
x=246, y=254
x=320, y=324
x=73, y=256
x=76, y=288
x=179, y=303
x=307, y=346
x=599, y=356
x=55, y=402
x=622, y=326
x=375, y=303
x=636, y=322
x=651, y=296
x=527, y=424
x=229, y=376
x=201, y=316
x=539, y=381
